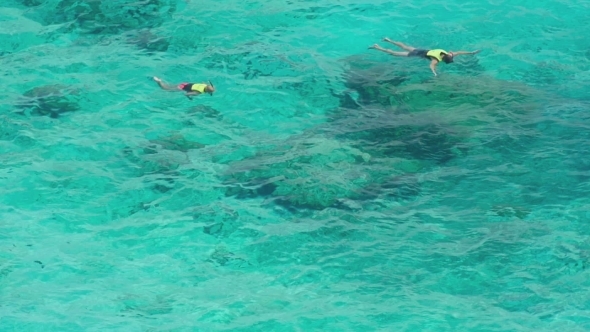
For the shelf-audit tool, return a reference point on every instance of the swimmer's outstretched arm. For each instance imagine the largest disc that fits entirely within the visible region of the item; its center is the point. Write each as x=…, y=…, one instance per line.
x=165, y=86
x=433, y=64
x=190, y=95
x=465, y=52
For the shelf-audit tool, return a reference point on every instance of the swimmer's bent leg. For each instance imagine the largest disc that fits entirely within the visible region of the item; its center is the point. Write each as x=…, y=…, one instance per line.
x=165, y=86
x=400, y=45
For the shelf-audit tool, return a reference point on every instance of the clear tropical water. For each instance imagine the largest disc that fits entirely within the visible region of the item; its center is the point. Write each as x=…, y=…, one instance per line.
x=323, y=187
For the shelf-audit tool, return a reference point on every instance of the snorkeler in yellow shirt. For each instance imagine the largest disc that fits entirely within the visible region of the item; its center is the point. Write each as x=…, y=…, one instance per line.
x=192, y=89
x=435, y=56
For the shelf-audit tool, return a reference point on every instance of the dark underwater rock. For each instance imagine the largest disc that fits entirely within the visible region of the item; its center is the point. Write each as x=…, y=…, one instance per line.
x=385, y=133
x=310, y=183
x=373, y=83
x=158, y=161
x=399, y=187
x=204, y=110
x=174, y=142
x=32, y=3
x=51, y=100
x=288, y=175
x=146, y=40
x=149, y=161
x=158, y=170
x=112, y=16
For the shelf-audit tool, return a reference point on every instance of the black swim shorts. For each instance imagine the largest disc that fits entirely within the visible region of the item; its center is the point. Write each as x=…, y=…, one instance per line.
x=188, y=87
x=419, y=53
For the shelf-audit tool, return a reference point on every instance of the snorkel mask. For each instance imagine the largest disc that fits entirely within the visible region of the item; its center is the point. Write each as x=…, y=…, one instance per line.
x=213, y=86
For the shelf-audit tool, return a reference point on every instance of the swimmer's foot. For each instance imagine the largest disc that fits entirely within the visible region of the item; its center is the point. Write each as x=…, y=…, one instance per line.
x=375, y=47
x=157, y=79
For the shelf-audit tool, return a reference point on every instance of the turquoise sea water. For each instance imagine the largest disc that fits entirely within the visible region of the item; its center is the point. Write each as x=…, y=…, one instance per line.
x=323, y=187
